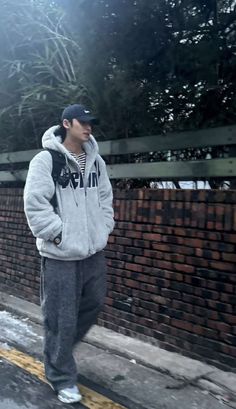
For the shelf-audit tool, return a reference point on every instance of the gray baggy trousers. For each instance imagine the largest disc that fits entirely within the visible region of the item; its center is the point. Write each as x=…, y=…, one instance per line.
x=72, y=294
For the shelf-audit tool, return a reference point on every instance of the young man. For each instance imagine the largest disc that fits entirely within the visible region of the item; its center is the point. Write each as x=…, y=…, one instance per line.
x=70, y=239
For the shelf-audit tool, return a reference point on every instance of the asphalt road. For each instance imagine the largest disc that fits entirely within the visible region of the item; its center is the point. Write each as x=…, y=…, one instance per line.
x=20, y=390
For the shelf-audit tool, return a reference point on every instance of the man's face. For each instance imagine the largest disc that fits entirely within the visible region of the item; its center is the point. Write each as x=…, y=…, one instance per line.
x=78, y=130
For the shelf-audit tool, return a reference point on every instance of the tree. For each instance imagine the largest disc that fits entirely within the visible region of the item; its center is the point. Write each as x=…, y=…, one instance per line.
x=157, y=66
x=145, y=67
x=40, y=71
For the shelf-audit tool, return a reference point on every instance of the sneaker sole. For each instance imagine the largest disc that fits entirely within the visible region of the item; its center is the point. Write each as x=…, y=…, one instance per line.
x=70, y=400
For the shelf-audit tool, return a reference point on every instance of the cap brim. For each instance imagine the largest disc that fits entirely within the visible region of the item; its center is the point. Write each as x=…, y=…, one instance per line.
x=89, y=119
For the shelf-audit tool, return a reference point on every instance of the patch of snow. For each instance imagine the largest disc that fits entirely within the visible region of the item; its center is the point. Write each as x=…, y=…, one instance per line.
x=16, y=329
x=4, y=345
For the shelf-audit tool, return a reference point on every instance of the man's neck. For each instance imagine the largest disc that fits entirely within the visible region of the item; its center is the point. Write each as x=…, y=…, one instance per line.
x=73, y=147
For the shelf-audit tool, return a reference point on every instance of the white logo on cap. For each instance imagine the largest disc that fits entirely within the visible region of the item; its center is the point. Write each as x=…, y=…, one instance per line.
x=86, y=112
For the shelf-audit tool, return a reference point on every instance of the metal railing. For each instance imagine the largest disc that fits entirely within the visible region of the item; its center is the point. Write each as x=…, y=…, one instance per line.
x=164, y=170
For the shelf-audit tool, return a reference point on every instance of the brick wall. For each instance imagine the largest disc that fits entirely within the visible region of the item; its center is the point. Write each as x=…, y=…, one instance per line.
x=19, y=259
x=172, y=268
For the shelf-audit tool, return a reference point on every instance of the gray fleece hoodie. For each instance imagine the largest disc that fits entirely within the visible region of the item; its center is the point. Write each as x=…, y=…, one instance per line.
x=84, y=211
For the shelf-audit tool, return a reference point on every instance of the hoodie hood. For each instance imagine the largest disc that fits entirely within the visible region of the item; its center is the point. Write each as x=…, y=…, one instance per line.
x=51, y=141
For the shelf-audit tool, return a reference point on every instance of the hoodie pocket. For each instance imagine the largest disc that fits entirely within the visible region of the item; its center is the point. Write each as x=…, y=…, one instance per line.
x=98, y=230
x=46, y=245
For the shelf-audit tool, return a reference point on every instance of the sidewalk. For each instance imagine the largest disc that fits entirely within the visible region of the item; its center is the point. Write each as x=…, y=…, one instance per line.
x=184, y=370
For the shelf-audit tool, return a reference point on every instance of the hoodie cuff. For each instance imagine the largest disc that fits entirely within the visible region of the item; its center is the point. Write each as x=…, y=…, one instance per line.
x=55, y=232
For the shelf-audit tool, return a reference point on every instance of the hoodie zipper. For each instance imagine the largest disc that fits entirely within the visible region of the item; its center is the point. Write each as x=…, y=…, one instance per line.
x=90, y=247
x=71, y=184
x=85, y=194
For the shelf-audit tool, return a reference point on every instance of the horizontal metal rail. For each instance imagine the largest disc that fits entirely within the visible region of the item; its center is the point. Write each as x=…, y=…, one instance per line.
x=190, y=139
x=173, y=141
x=170, y=170
x=186, y=170
x=18, y=157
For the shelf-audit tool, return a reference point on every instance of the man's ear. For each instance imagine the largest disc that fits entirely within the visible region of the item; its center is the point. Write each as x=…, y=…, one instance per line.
x=66, y=123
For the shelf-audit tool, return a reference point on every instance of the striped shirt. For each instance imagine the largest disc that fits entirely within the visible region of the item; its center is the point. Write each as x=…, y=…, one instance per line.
x=81, y=160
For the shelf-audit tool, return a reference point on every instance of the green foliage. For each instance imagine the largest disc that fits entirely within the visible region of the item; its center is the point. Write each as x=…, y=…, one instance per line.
x=178, y=56
x=144, y=66
x=39, y=73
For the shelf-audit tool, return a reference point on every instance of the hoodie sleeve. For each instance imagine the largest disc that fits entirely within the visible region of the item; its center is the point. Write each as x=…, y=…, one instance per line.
x=106, y=196
x=39, y=189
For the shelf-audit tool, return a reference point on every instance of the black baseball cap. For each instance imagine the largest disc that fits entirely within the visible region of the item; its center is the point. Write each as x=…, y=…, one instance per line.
x=80, y=112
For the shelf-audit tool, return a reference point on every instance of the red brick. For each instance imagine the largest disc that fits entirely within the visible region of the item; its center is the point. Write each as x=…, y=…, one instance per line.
x=142, y=243
x=166, y=265
x=223, y=266
x=123, y=241
x=161, y=247
x=229, y=318
x=152, y=237
x=185, y=268
x=174, y=257
x=133, y=234
x=143, y=260
x=132, y=283
x=220, y=326
x=151, y=253
x=230, y=238
x=187, y=326
x=200, y=262
x=133, y=267
x=229, y=257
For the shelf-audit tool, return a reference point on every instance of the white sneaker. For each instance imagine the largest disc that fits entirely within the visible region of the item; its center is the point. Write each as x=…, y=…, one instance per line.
x=69, y=395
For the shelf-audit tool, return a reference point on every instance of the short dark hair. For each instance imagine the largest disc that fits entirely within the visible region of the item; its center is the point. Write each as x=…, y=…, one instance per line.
x=61, y=131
